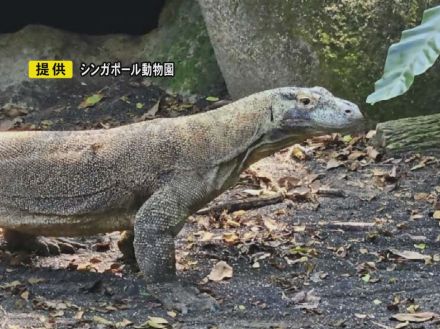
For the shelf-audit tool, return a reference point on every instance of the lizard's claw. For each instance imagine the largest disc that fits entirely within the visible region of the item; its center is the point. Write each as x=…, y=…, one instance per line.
x=54, y=246
x=184, y=298
x=41, y=245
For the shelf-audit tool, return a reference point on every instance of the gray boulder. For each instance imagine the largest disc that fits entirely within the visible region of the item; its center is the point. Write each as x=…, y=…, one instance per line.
x=340, y=45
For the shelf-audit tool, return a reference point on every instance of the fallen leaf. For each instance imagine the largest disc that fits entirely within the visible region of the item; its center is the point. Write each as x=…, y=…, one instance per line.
x=289, y=182
x=34, y=280
x=415, y=317
x=206, y=236
x=25, y=295
x=402, y=325
x=172, y=314
x=124, y=323
x=270, y=224
x=91, y=101
x=360, y=316
x=12, y=284
x=230, y=237
x=333, y=163
x=101, y=320
x=220, y=271
x=14, y=110
x=306, y=300
x=436, y=214
x=421, y=246
x=298, y=152
x=355, y=155
x=78, y=315
x=253, y=192
x=372, y=152
x=6, y=124
x=421, y=196
x=411, y=255
x=151, y=113
x=370, y=134
x=156, y=322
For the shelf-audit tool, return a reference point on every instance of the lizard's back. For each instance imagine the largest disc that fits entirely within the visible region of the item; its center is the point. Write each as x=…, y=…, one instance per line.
x=64, y=173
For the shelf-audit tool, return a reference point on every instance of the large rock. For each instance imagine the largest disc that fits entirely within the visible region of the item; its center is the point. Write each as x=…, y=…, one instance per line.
x=340, y=45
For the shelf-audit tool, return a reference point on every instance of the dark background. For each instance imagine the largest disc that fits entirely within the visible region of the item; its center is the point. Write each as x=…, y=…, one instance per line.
x=87, y=17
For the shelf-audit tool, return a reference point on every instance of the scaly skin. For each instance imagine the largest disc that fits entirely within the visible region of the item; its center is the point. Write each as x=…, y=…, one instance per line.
x=151, y=176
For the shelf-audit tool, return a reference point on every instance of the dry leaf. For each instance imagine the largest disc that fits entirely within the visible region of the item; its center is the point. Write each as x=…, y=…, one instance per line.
x=415, y=317
x=156, y=322
x=411, y=255
x=101, y=320
x=306, y=300
x=436, y=214
x=205, y=236
x=220, y=271
x=270, y=224
x=79, y=315
x=12, y=284
x=151, y=113
x=356, y=155
x=124, y=323
x=370, y=134
x=421, y=196
x=172, y=314
x=372, y=152
x=35, y=280
x=253, y=192
x=360, y=316
x=333, y=163
x=6, y=124
x=25, y=295
x=230, y=237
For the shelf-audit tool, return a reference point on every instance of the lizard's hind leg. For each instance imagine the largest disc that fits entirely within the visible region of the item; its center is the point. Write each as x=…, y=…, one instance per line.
x=43, y=246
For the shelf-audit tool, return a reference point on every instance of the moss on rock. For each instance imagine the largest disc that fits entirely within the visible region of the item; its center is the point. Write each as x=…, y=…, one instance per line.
x=182, y=38
x=349, y=38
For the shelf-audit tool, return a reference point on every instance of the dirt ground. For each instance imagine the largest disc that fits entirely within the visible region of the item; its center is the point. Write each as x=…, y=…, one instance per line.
x=353, y=241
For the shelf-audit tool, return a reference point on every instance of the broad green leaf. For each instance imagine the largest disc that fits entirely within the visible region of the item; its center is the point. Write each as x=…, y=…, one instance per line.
x=416, y=52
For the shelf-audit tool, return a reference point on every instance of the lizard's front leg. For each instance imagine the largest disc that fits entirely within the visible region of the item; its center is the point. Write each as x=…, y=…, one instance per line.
x=157, y=223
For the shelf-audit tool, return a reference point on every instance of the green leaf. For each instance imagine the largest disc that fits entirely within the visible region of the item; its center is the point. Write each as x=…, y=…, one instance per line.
x=139, y=106
x=421, y=246
x=347, y=138
x=416, y=52
x=212, y=99
x=91, y=101
x=366, y=278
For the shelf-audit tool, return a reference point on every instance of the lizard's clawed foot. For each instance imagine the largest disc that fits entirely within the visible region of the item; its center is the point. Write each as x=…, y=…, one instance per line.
x=42, y=246
x=182, y=297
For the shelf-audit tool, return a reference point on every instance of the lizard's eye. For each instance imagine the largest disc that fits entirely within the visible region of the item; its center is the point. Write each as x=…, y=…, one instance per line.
x=305, y=100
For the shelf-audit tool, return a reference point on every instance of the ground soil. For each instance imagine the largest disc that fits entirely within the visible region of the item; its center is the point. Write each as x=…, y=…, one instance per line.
x=315, y=260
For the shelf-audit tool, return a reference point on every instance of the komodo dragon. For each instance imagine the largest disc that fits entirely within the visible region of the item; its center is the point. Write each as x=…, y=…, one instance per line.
x=150, y=176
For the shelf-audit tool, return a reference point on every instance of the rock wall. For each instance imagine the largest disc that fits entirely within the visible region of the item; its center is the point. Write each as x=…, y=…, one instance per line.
x=338, y=44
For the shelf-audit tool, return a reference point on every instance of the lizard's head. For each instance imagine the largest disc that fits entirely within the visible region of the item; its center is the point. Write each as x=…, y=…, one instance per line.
x=312, y=111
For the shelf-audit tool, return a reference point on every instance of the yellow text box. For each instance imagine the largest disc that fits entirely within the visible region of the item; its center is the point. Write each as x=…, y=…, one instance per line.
x=42, y=69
